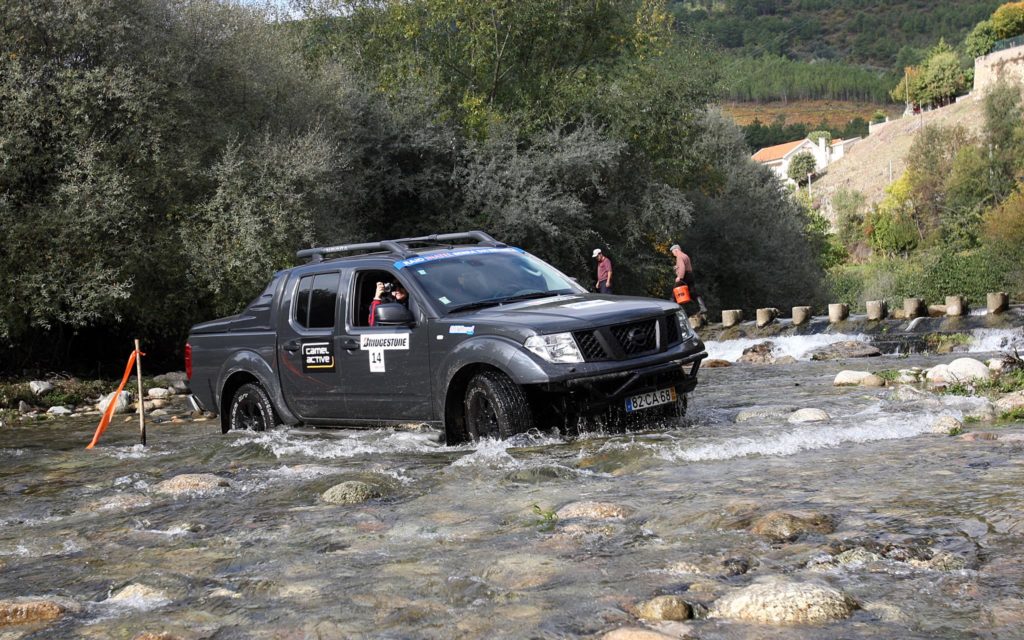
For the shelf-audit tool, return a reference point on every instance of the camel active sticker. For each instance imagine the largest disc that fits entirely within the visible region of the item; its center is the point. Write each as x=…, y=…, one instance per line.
x=377, y=343
x=317, y=356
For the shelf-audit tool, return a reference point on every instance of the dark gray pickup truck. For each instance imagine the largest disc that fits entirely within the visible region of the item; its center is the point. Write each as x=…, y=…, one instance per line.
x=455, y=330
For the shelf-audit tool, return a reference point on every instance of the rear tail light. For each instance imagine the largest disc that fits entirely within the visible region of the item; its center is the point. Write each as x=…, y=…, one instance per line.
x=188, y=361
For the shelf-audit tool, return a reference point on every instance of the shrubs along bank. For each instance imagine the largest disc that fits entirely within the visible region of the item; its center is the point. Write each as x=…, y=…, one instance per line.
x=163, y=158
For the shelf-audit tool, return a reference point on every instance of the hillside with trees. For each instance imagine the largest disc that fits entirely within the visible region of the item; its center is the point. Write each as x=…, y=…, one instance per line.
x=160, y=159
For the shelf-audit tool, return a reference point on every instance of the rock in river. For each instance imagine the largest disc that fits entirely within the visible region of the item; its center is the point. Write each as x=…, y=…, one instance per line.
x=191, y=483
x=352, y=492
x=760, y=353
x=593, y=511
x=845, y=349
x=33, y=610
x=1010, y=402
x=664, y=608
x=809, y=415
x=850, y=378
x=782, y=526
x=785, y=603
x=635, y=633
x=968, y=370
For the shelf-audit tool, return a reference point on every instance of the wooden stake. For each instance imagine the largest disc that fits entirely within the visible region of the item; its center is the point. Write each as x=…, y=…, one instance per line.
x=142, y=409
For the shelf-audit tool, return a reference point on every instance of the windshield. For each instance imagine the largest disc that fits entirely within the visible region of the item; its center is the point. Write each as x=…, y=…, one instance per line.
x=461, y=281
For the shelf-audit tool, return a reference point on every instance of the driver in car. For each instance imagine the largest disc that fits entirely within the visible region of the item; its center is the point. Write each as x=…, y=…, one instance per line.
x=388, y=292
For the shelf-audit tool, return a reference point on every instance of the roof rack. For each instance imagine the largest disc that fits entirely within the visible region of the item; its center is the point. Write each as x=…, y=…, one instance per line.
x=400, y=246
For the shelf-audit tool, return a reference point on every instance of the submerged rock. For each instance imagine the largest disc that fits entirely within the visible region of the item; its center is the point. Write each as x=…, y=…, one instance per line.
x=784, y=526
x=845, y=349
x=664, y=608
x=809, y=415
x=760, y=353
x=947, y=425
x=140, y=596
x=714, y=363
x=352, y=492
x=594, y=511
x=635, y=633
x=785, y=603
x=785, y=360
x=857, y=556
x=191, y=483
x=760, y=413
x=34, y=610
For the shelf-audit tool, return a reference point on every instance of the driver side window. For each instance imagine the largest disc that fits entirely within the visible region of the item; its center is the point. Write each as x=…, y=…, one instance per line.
x=363, y=299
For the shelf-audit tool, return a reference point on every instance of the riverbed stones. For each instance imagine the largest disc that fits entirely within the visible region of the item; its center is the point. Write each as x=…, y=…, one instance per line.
x=801, y=416
x=139, y=596
x=715, y=363
x=58, y=411
x=786, y=526
x=18, y=611
x=122, y=403
x=845, y=349
x=352, y=492
x=664, y=608
x=39, y=387
x=158, y=392
x=24, y=407
x=782, y=602
x=590, y=510
x=192, y=483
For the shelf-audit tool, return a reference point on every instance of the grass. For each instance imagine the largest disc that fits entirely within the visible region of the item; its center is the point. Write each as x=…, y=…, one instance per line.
x=546, y=518
x=1005, y=383
x=1014, y=415
x=946, y=342
x=889, y=375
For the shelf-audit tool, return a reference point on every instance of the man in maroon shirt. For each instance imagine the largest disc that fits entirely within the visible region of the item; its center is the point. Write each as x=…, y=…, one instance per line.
x=604, y=272
x=684, y=274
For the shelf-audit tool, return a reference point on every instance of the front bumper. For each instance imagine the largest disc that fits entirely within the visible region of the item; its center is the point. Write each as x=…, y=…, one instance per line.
x=596, y=392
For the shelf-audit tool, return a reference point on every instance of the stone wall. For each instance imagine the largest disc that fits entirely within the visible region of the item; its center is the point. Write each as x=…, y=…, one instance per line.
x=1007, y=64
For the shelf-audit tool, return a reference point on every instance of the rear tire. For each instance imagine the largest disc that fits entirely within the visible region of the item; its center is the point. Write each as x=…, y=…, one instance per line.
x=251, y=409
x=495, y=407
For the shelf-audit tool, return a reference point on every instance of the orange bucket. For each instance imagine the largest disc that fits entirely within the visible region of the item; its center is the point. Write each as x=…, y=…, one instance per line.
x=682, y=293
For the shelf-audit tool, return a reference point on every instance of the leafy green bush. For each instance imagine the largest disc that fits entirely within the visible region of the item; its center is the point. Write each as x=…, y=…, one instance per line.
x=802, y=165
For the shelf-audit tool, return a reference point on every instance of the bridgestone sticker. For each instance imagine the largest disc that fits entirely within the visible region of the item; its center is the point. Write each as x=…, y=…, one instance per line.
x=384, y=341
x=317, y=356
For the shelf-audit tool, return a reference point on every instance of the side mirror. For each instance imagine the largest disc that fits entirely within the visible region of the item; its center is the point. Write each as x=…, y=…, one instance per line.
x=391, y=314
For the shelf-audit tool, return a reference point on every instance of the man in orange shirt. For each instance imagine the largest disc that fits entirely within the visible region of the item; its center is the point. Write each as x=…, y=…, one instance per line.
x=684, y=274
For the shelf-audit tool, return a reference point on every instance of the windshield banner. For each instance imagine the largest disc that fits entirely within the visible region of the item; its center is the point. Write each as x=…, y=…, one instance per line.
x=444, y=255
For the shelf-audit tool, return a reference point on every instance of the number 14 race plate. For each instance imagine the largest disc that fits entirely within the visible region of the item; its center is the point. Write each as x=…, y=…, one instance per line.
x=650, y=399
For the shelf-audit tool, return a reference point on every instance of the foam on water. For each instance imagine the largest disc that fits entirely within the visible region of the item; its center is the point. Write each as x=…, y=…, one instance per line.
x=795, y=440
x=988, y=340
x=795, y=346
x=282, y=442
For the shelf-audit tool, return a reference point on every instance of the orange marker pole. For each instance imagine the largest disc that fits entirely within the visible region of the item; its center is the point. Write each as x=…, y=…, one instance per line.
x=142, y=408
x=105, y=420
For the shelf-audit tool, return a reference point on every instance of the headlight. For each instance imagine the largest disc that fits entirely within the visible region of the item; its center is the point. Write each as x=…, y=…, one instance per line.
x=684, y=326
x=559, y=348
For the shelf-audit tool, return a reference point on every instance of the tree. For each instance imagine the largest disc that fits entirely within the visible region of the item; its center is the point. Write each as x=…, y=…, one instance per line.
x=1008, y=20
x=815, y=136
x=943, y=77
x=891, y=227
x=981, y=39
x=801, y=166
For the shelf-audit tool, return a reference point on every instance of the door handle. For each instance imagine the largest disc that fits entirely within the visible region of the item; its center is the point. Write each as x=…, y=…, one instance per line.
x=349, y=343
x=292, y=346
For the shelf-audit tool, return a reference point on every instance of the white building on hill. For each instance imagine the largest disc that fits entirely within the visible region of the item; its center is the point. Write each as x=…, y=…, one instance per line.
x=825, y=153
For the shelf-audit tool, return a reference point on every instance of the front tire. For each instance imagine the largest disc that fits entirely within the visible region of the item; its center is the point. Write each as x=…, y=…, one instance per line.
x=496, y=407
x=251, y=409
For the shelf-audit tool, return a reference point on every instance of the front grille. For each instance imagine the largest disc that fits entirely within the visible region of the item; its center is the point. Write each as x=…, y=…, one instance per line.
x=589, y=346
x=636, y=337
x=671, y=334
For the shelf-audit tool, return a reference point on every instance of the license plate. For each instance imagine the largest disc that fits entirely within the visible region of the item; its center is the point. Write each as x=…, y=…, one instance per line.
x=650, y=399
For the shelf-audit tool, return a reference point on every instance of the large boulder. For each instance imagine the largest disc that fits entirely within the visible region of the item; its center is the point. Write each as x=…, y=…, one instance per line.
x=939, y=374
x=763, y=413
x=122, y=405
x=39, y=387
x=784, y=526
x=968, y=370
x=845, y=349
x=785, y=603
x=760, y=353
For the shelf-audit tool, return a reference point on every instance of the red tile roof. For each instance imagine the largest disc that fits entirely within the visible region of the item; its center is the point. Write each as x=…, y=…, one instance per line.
x=779, y=151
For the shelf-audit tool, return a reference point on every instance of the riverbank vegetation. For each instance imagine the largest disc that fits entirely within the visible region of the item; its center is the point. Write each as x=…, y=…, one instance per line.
x=161, y=158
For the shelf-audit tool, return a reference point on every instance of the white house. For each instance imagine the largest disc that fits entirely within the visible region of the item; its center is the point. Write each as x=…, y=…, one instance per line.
x=824, y=152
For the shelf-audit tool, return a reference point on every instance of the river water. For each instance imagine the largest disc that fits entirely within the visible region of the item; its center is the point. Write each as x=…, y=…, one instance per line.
x=463, y=545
